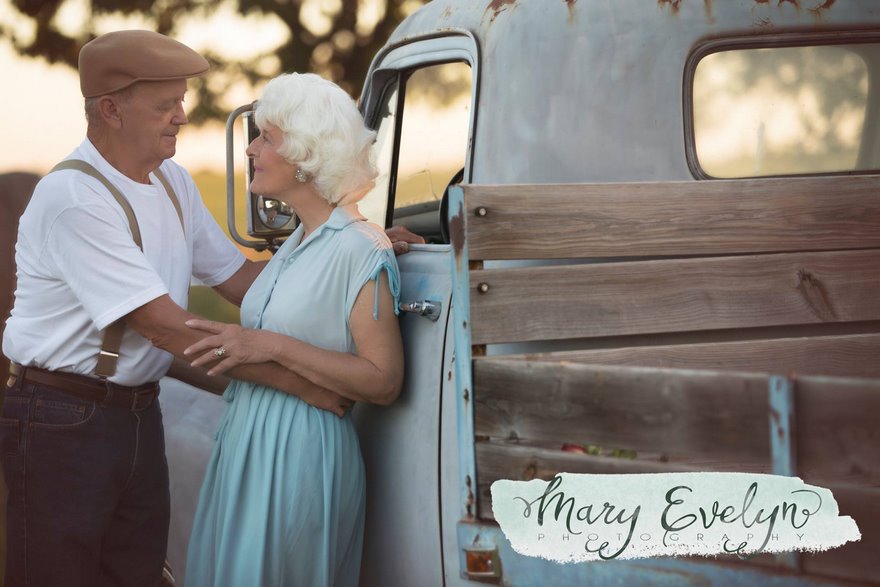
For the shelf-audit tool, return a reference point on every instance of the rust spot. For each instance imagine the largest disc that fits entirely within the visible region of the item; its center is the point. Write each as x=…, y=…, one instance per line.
x=818, y=10
x=470, y=498
x=456, y=232
x=794, y=2
x=570, y=5
x=447, y=12
x=762, y=1
x=673, y=4
x=709, y=16
x=815, y=295
x=497, y=7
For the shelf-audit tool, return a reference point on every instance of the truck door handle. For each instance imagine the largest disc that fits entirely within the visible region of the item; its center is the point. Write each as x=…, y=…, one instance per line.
x=428, y=309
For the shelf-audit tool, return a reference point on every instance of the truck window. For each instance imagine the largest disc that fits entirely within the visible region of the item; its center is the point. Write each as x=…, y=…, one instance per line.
x=786, y=111
x=434, y=130
x=422, y=140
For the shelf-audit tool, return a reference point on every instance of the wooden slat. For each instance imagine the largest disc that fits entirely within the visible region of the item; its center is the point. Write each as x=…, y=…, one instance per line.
x=704, y=414
x=838, y=429
x=673, y=218
x=855, y=355
x=576, y=301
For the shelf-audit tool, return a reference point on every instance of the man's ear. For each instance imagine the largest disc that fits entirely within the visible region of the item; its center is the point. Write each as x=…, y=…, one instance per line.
x=109, y=108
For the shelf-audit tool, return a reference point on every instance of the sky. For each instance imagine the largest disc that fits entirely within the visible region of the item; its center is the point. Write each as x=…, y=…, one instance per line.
x=42, y=117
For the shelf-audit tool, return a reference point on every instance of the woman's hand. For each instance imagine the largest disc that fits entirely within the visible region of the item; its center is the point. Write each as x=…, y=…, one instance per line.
x=230, y=344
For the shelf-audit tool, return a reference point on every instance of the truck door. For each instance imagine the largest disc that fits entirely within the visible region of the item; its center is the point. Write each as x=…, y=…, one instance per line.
x=418, y=97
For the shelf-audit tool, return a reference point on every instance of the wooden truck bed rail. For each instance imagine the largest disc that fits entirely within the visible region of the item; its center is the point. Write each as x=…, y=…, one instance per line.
x=683, y=304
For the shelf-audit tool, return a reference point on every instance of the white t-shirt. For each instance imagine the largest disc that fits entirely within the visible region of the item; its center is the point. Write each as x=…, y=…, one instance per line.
x=79, y=269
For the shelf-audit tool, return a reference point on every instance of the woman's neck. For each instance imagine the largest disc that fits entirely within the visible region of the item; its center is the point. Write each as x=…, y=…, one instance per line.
x=311, y=209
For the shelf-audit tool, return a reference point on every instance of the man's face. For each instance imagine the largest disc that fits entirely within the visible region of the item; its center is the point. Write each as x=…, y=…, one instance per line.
x=152, y=114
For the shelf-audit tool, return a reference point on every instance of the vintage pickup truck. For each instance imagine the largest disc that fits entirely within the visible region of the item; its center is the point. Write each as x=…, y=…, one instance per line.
x=654, y=237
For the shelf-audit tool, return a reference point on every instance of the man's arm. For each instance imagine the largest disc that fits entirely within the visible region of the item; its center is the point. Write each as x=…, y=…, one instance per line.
x=234, y=288
x=161, y=321
x=183, y=371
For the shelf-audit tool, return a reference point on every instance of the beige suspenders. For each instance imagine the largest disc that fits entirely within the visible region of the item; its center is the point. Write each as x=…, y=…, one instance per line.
x=109, y=353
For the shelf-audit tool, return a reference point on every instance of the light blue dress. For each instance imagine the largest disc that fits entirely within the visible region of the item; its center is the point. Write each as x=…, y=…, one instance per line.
x=282, y=503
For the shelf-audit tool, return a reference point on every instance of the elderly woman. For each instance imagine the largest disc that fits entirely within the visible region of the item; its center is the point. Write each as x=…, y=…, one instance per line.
x=283, y=498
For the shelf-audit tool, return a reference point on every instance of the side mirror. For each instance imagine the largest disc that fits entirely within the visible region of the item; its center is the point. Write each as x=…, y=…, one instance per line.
x=269, y=220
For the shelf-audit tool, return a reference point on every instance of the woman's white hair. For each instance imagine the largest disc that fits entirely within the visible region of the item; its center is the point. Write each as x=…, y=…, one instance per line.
x=324, y=134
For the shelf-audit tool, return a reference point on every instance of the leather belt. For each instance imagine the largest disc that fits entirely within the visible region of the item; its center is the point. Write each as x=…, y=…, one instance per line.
x=135, y=398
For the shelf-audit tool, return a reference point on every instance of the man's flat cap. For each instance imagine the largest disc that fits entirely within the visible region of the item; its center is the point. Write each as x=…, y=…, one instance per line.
x=116, y=60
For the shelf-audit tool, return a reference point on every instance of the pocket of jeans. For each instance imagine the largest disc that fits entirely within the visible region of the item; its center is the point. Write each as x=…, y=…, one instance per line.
x=9, y=438
x=14, y=408
x=61, y=414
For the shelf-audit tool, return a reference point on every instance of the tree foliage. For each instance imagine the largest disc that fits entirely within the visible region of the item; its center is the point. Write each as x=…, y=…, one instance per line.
x=342, y=52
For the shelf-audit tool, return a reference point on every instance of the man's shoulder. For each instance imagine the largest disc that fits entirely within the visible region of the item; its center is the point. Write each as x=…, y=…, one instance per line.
x=67, y=188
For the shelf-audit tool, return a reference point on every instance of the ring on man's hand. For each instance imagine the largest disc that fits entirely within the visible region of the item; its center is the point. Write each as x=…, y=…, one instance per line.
x=219, y=351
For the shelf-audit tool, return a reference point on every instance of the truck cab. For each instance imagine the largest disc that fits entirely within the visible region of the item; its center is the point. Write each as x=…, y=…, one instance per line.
x=543, y=93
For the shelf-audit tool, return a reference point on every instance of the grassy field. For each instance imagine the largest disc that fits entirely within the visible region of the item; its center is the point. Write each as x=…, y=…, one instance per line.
x=203, y=300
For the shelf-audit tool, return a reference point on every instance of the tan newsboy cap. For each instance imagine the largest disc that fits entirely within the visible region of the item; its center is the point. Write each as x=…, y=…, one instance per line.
x=116, y=60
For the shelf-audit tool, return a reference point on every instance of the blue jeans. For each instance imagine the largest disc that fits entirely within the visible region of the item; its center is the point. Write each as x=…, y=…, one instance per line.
x=88, y=491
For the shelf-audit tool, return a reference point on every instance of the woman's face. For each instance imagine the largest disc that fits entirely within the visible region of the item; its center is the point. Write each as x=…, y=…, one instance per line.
x=273, y=175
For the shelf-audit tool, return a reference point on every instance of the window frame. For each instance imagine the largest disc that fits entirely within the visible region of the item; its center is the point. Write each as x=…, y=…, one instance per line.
x=707, y=47
x=396, y=63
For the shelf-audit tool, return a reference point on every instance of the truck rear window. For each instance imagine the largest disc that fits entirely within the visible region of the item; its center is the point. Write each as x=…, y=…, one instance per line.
x=787, y=111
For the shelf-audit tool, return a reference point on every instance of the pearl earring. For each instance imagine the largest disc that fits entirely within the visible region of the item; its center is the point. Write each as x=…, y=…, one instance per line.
x=301, y=175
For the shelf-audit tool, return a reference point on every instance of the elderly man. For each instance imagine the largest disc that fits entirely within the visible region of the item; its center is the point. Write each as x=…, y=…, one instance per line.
x=105, y=253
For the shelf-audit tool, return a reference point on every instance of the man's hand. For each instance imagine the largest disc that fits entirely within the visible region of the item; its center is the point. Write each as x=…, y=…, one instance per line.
x=324, y=399
x=401, y=238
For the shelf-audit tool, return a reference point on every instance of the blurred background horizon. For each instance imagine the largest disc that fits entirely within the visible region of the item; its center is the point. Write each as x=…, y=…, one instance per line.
x=246, y=42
